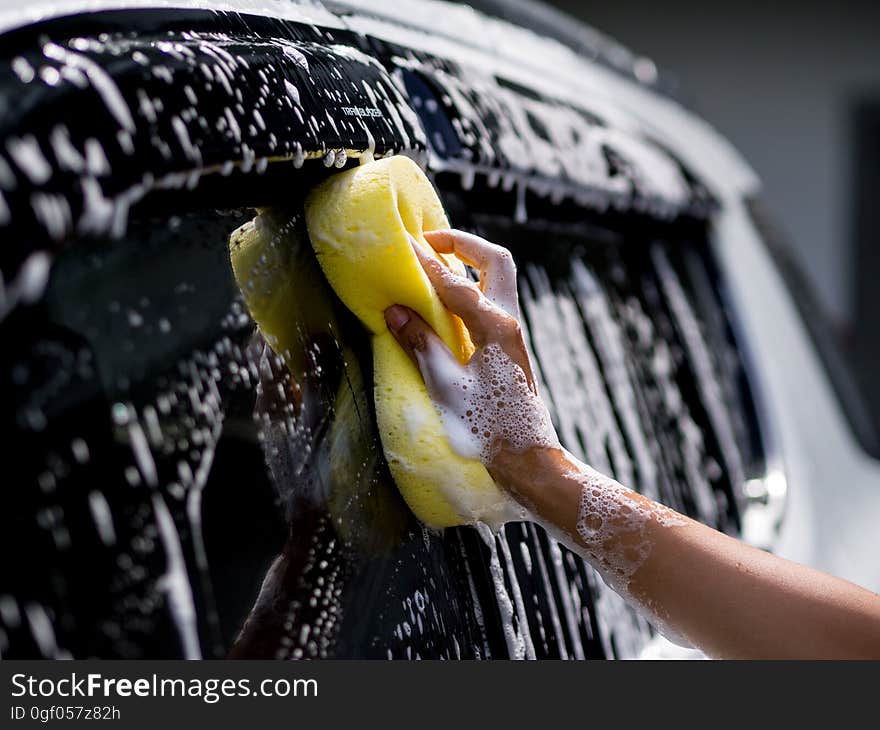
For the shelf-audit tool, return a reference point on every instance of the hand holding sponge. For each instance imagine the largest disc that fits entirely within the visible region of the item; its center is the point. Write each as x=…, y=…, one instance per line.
x=358, y=222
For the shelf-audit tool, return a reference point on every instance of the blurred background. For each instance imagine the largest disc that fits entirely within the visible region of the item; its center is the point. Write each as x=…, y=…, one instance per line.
x=796, y=87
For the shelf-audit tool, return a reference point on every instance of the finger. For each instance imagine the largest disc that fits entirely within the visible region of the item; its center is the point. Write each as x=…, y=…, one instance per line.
x=437, y=364
x=462, y=297
x=485, y=320
x=495, y=264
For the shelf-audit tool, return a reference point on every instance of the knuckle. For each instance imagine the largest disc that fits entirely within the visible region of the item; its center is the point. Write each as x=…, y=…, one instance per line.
x=445, y=274
x=417, y=340
x=508, y=327
x=505, y=259
x=434, y=265
x=462, y=287
x=503, y=254
x=413, y=336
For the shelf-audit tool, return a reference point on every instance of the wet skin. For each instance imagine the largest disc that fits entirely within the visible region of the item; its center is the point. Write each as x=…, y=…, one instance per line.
x=718, y=594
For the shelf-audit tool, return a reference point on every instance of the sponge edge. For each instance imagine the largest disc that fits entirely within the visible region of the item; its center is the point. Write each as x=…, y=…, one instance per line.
x=358, y=222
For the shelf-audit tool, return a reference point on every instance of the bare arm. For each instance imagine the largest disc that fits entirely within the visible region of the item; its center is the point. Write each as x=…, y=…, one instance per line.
x=725, y=597
x=718, y=594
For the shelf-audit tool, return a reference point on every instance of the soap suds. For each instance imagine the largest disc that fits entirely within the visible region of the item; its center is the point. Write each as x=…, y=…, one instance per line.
x=488, y=404
x=613, y=527
x=514, y=621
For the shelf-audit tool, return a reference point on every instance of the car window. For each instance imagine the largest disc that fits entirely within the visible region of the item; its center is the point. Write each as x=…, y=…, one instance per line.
x=183, y=486
x=229, y=501
x=164, y=446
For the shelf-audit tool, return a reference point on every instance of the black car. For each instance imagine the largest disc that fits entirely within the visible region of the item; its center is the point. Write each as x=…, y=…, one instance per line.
x=171, y=487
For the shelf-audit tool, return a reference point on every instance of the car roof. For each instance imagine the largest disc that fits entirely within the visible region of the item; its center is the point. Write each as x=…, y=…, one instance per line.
x=566, y=65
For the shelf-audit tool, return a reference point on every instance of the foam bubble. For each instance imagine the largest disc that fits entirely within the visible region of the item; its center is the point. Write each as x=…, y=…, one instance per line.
x=492, y=407
x=613, y=527
x=488, y=405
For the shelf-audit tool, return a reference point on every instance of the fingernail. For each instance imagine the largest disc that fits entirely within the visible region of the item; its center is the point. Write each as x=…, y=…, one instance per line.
x=395, y=317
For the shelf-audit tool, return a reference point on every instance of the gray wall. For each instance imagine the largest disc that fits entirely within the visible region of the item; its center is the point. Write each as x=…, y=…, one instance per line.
x=779, y=79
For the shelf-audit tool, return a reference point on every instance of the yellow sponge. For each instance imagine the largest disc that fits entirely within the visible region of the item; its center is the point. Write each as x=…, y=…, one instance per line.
x=358, y=222
x=287, y=296
x=281, y=285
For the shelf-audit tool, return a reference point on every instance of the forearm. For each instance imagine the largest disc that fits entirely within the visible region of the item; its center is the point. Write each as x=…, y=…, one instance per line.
x=722, y=596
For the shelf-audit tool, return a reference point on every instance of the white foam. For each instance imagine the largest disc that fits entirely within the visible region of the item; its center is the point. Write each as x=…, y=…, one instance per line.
x=614, y=527
x=489, y=405
x=514, y=623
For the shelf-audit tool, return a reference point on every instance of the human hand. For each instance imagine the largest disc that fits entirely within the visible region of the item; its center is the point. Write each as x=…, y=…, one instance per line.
x=490, y=406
